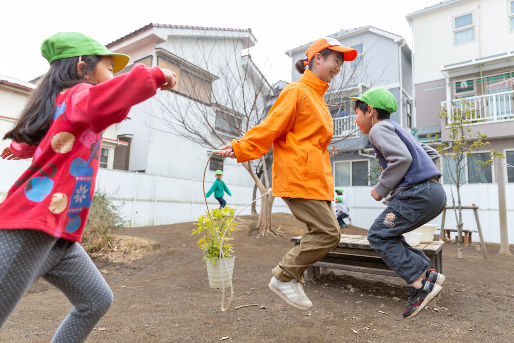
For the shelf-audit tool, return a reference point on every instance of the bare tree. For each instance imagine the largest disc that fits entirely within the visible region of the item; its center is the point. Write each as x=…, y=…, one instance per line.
x=234, y=101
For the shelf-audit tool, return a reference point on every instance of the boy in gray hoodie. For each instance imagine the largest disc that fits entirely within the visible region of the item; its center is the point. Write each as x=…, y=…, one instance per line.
x=409, y=187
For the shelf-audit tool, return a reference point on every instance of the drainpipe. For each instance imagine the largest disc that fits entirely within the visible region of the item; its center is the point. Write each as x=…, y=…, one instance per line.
x=400, y=46
x=363, y=154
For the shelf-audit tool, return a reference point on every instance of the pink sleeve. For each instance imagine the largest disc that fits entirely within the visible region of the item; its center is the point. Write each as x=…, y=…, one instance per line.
x=109, y=102
x=22, y=150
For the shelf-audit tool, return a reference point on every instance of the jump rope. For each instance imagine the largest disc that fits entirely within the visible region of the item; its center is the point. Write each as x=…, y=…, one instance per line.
x=222, y=255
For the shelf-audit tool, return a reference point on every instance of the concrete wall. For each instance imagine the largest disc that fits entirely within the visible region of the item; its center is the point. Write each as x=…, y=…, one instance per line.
x=146, y=199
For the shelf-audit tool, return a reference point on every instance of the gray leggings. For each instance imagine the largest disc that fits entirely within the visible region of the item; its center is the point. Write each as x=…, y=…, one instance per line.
x=26, y=255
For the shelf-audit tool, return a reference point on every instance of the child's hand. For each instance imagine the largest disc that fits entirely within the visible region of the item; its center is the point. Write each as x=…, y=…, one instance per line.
x=8, y=154
x=227, y=151
x=171, y=79
x=375, y=195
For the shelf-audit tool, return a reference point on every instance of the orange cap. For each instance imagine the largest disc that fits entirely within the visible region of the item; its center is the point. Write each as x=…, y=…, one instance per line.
x=332, y=44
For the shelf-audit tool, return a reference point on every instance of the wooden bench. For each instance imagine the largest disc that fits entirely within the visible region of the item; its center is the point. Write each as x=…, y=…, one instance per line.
x=354, y=254
x=466, y=235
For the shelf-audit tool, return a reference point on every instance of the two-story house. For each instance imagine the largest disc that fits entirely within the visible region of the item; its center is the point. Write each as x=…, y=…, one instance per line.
x=464, y=56
x=384, y=60
x=219, y=86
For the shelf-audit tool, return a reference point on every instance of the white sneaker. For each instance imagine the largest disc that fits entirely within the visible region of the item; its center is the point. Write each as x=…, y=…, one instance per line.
x=292, y=292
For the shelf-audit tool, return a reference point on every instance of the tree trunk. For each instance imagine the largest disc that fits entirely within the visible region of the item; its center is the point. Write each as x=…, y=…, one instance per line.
x=502, y=209
x=264, y=222
x=460, y=253
x=254, y=196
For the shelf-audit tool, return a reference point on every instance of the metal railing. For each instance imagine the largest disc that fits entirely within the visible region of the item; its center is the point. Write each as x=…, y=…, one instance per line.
x=485, y=108
x=345, y=127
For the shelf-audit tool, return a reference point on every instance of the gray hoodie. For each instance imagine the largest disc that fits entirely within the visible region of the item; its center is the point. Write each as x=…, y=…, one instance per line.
x=404, y=161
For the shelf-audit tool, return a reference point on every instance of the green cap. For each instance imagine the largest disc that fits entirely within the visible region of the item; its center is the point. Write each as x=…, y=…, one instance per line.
x=218, y=172
x=379, y=98
x=339, y=199
x=340, y=190
x=73, y=44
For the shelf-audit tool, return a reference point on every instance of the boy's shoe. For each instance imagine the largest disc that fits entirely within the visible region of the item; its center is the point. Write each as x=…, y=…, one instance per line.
x=420, y=297
x=435, y=277
x=292, y=292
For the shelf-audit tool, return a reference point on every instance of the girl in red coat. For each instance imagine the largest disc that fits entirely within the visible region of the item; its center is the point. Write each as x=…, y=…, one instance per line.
x=44, y=213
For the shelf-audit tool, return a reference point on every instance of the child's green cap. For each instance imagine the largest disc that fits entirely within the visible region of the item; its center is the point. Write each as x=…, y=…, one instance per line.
x=218, y=172
x=73, y=44
x=379, y=98
x=339, y=190
x=339, y=199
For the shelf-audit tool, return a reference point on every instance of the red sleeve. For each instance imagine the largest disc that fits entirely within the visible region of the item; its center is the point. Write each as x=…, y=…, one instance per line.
x=99, y=106
x=22, y=150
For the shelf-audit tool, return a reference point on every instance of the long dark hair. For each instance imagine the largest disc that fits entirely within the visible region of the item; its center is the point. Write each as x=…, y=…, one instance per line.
x=36, y=117
x=300, y=64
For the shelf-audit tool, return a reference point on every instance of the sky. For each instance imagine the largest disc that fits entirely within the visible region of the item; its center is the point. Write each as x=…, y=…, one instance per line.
x=278, y=25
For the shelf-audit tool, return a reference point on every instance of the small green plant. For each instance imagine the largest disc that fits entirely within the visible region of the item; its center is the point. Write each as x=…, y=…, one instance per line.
x=212, y=229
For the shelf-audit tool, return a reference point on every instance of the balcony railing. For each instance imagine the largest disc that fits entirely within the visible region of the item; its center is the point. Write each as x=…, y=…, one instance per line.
x=345, y=127
x=485, y=108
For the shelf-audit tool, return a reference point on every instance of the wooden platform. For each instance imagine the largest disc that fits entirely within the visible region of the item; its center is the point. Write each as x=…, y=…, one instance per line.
x=354, y=254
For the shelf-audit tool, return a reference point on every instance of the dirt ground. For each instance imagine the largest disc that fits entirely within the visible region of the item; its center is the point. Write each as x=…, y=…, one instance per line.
x=164, y=297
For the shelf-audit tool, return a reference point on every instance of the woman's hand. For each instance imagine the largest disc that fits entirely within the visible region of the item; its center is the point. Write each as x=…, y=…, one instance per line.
x=171, y=79
x=227, y=151
x=8, y=154
x=375, y=195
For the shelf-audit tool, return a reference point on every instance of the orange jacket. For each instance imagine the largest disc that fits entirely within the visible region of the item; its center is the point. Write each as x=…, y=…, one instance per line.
x=300, y=128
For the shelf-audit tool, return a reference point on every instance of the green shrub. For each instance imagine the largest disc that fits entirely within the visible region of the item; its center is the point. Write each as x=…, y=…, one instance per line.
x=103, y=217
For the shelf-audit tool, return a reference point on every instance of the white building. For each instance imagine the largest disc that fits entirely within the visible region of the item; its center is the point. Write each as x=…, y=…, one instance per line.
x=464, y=53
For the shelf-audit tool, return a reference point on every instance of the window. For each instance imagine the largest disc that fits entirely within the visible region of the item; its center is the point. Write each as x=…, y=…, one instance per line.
x=471, y=172
x=509, y=160
x=191, y=84
x=463, y=28
x=409, y=115
x=104, y=158
x=354, y=173
x=228, y=123
x=511, y=15
x=359, y=61
x=342, y=173
x=450, y=171
x=463, y=87
x=216, y=163
x=477, y=173
x=360, y=173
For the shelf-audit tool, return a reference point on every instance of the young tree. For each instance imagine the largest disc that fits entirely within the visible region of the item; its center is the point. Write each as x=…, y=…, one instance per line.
x=457, y=151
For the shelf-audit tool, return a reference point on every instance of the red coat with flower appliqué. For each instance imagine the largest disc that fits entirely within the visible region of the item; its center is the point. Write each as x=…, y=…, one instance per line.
x=54, y=194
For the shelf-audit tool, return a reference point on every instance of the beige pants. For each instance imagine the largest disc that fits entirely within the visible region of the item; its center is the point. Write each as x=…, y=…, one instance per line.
x=323, y=236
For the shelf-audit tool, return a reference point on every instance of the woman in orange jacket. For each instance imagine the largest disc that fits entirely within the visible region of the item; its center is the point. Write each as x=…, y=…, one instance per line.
x=299, y=127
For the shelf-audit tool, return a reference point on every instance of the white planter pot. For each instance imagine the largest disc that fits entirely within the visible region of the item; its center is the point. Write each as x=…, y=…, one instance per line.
x=220, y=275
x=427, y=232
x=412, y=237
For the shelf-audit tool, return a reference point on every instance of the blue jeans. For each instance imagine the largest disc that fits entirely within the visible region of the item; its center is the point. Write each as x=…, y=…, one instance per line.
x=340, y=218
x=222, y=202
x=407, y=211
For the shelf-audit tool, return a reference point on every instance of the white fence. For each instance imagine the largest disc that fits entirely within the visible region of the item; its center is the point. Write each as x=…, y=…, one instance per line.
x=364, y=209
x=145, y=200
x=155, y=200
